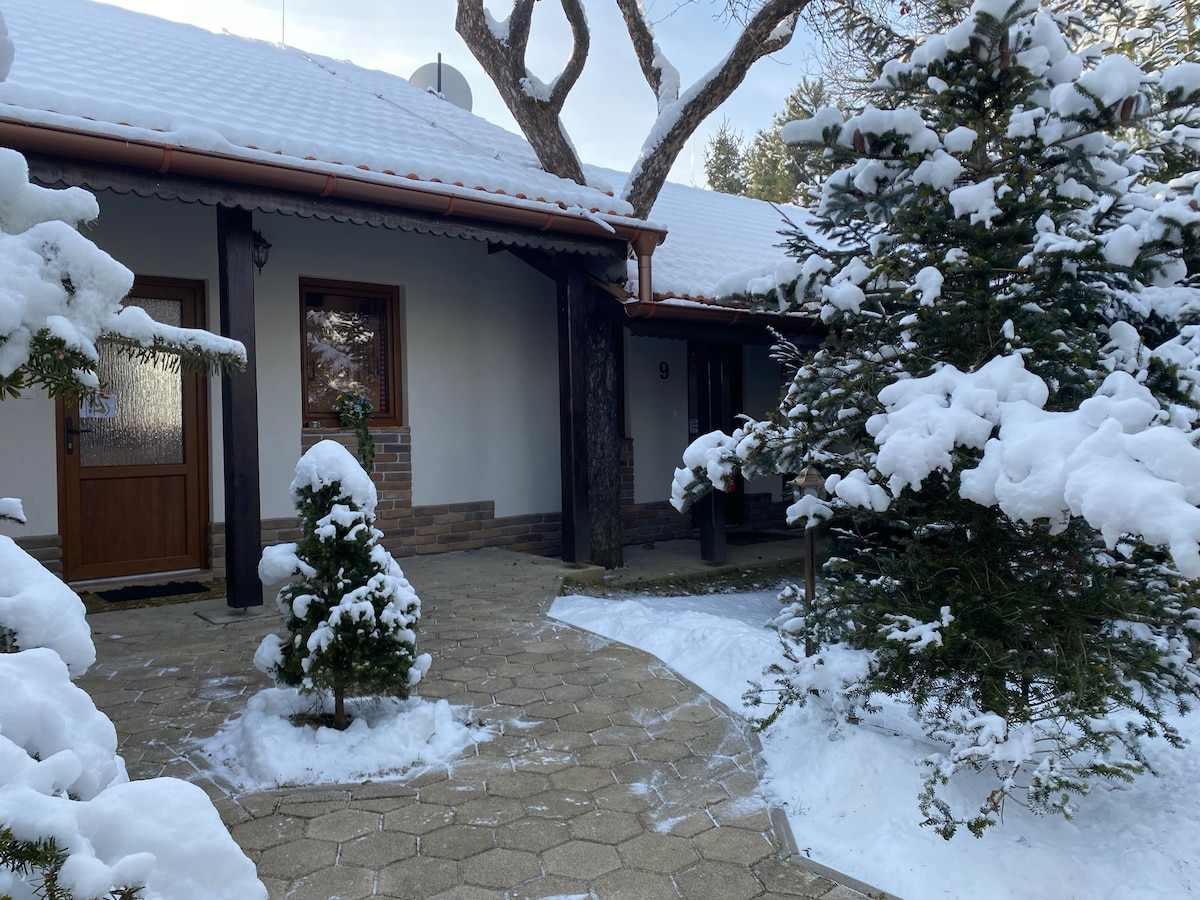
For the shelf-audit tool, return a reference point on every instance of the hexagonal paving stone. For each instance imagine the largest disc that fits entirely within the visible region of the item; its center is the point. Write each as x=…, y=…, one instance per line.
x=490, y=811
x=501, y=868
x=418, y=878
x=457, y=842
x=585, y=677
x=469, y=892
x=566, y=741
x=711, y=880
x=343, y=882
x=558, y=804
x=660, y=853
x=451, y=793
x=683, y=821
x=581, y=778
x=588, y=722
x=781, y=877
x=297, y=859
x=605, y=756
x=629, y=885
x=534, y=834
x=622, y=735
x=581, y=859
x=517, y=784
x=374, y=851
x=463, y=673
x=538, y=682
x=630, y=798
x=697, y=711
x=546, y=761
x=262, y=834
x=550, y=886
x=606, y=826
x=343, y=825
x=567, y=693
x=420, y=818
x=519, y=696
x=661, y=751
x=733, y=845
x=745, y=811
x=303, y=810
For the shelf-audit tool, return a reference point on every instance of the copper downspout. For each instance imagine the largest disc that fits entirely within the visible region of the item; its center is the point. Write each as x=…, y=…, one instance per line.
x=64, y=142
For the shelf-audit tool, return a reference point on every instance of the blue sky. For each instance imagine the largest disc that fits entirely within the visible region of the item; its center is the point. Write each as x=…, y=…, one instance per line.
x=609, y=112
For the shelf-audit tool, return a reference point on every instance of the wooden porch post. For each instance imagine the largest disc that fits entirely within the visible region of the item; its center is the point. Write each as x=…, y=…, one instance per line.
x=604, y=345
x=572, y=412
x=712, y=412
x=239, y=412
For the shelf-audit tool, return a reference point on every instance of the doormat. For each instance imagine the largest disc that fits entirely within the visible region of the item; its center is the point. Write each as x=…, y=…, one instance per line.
x=153, y=591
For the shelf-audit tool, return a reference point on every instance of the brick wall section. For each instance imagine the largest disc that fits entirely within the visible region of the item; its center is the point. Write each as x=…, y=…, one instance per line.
x=642, y=523
x=417, y=530
x=45, y=548
x=411, y=530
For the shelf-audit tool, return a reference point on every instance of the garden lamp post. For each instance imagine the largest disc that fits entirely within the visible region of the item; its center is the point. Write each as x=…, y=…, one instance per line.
x=809, y=483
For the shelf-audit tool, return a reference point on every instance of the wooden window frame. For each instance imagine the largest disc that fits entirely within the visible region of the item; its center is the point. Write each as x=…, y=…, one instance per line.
x=392, y=299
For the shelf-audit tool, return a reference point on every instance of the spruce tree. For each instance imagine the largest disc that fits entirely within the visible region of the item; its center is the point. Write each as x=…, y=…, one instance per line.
x=993, y=266
x=351, y=614
x=724, y=161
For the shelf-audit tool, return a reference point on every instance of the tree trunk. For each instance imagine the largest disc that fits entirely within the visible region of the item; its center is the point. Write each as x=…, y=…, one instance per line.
x=339, y=709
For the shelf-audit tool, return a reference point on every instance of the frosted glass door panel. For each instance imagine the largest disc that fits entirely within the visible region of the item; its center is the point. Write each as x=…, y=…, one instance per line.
x=141, y=422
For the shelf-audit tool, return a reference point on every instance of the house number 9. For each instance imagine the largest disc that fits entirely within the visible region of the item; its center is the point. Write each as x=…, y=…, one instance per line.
x=664, y=371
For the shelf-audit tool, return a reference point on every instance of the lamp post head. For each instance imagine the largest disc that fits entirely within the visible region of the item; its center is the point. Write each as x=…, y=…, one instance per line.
x=809, y=483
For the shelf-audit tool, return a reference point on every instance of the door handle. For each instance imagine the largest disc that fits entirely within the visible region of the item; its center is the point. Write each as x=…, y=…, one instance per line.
x=69, y=434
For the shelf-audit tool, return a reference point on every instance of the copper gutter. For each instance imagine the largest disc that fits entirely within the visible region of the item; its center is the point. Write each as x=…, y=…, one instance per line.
x=162, y=158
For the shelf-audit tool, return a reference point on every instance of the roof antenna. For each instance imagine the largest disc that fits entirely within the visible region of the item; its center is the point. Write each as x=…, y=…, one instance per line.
x=439, y=80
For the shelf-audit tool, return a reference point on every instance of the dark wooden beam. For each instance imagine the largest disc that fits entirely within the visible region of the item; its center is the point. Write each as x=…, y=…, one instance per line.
x=572, y=412
x=239, y=411
x=604, y=351
x=712, y=412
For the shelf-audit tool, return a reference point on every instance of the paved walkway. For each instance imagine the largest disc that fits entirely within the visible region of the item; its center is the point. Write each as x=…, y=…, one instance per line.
x=609, y=775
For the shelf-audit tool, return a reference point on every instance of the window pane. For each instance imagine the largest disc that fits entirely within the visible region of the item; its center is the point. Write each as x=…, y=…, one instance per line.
x=347, y=352
x=141, y=423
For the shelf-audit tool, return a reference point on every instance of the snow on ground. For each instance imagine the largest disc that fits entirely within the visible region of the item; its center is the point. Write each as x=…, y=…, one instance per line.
x=387, y=739
x=850, y=792
x=61, y=777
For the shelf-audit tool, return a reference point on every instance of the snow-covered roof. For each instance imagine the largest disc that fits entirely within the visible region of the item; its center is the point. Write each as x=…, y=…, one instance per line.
x=719, y=244
x=100, y=70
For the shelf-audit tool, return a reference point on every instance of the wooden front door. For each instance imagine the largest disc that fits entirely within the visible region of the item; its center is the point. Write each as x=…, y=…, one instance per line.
x=134, y=466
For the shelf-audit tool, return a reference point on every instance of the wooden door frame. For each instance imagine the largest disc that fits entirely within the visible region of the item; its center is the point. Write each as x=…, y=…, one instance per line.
x=195, y=443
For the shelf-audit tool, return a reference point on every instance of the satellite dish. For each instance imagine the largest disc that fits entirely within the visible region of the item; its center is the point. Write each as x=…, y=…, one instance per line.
x=445, y=81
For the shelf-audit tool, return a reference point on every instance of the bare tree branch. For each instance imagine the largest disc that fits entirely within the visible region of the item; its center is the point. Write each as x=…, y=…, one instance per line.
x=644, y=46
x=581, y=39
x=502, y=56
x=766, y=31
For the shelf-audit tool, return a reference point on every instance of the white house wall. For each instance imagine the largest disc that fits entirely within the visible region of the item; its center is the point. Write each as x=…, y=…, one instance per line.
x=657, y=413
x=480, y=358
x=479, y=363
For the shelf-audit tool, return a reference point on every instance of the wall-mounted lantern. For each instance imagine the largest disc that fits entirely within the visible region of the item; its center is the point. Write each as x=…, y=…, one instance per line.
x=260, y=250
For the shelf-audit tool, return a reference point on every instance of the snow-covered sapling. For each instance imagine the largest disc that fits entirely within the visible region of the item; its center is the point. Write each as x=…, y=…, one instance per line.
x=350, y=616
